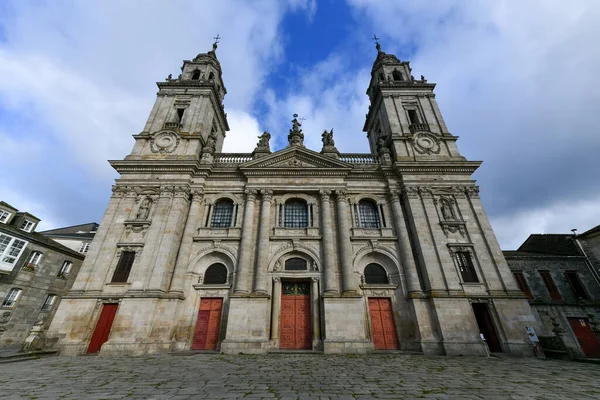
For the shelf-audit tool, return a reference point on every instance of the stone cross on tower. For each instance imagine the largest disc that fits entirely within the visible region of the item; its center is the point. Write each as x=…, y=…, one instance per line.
x=296, y=137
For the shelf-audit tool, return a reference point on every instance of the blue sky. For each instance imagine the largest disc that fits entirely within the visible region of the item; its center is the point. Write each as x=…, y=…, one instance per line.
x=517, y=82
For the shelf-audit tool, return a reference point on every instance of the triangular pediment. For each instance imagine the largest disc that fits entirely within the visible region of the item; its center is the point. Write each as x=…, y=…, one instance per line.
x=295, y=158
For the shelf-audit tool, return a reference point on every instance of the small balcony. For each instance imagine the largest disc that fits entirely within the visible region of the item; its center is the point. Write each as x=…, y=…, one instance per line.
x=172, y=125
x=418, y=128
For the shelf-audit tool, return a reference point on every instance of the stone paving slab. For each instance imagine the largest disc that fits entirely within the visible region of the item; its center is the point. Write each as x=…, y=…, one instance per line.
x=291, y=376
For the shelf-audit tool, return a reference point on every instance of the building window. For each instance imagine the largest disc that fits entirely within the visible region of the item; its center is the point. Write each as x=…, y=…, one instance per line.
x=49, y=303
x=413, y=117
x=375, y=274
x=11, y=249
x=180, y=112
x=85, y=247
x=549, y=282
x=295, y=214
x=65, y=270
x=11, y=298
x=196, y=75
x=465, y=265
x=576, y=285
x=396, y=75
x=123, y=267
x=295, y=264
x=222, y=214
x=369, y=215
x=27, y=225
x=216, y=274
x=4, y=216
x=522, y=283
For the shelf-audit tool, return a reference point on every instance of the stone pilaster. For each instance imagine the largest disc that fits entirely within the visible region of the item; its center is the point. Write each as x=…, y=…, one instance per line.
x=349, y=286
x=276, y=311
x=185, y=250
x=262, y=251
x=328, y=264
x=406, y=255
x=316, y=315
x=242, y=284
x=170, y=240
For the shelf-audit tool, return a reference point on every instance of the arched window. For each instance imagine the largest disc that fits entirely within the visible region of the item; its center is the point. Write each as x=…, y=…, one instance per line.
x=211, y=76
x=196, y=75
x=295, y=264
x=369, y=215
x=374, y=273
x=396, y=75
x=216, y=274
x=222, y=214
x=295, y=214
x=381, y=77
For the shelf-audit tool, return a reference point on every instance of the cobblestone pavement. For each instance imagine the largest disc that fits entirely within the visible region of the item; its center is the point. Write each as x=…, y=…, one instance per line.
x=295, y=376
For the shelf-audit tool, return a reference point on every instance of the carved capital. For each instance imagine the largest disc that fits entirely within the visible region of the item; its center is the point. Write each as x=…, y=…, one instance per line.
x=341, y=195
x=167, y=191
x=197, y=195
x=315, y=279
x=181, y=191
x=324, y=195
x=250, y=194
x=472, y=192
x=426, y=192
x=277, y=279
x=394, y=195
x=267, y=194
x=411, y=192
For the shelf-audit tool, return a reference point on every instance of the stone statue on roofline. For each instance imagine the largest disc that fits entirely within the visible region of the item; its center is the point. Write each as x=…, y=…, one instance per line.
x=329, y=148
x=296, y=137
x=262, y=147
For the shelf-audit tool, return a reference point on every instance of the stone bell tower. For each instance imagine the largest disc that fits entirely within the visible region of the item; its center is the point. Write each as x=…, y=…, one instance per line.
x=188, y=120
x=404, y=117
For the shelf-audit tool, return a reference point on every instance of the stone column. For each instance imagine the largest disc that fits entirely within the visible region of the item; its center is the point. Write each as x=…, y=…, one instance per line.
x=262, y=252
x=348, y=282
x=183, y=258
x=316, y=316
x=242, y=284
x=406, y=255
x=276, y=311
x=328, y=264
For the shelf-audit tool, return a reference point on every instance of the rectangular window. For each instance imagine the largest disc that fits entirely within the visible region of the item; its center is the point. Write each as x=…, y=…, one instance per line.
x=222, y=214
x=522, y=283
x=576, y=285
x=465, y=265
x=35, y=257
x=11, y=249
x=49, y=302
x=413, y=116
x=27, y=225
x=4, y=216
x=65, y=269
x=85, y=246
x=549, y=282
x=124, y=267
x=11, y=298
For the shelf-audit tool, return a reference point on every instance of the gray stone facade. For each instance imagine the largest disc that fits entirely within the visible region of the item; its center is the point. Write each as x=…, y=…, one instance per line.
x=408, y=208
x=558, y=254
x=23, y=322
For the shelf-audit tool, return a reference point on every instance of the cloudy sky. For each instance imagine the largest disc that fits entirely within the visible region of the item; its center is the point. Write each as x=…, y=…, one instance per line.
x=517, y=81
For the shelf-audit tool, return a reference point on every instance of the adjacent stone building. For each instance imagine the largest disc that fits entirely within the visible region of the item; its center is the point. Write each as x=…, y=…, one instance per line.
x=296, y=248
x=35, y=273
x=563, y=291
x=76, y=237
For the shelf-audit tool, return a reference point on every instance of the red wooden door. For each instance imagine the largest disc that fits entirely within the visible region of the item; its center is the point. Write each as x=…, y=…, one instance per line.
x=295, y=325
x=100, y=336
x=585, y=336
x=207, y=327
x=383, y=328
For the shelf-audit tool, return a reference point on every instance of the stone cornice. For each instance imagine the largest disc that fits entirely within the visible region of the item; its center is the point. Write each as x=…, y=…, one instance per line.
x=425, y=167
x=163, y=166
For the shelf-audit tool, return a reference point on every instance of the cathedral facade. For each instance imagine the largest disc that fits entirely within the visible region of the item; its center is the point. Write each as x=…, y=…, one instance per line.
x=294, y=249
